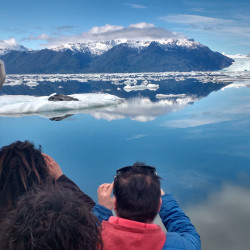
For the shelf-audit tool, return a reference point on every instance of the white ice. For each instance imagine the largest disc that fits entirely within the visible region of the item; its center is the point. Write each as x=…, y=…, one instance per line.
x=241, y=63
x=21, y=104
x=150, y=86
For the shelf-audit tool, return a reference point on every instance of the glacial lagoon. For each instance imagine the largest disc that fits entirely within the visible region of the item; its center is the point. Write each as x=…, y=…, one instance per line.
x=193, y=127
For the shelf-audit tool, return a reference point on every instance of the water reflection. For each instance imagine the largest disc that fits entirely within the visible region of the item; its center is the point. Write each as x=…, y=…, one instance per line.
x=223, y=219
x=196, y=134
x=142, y=109
x=144, y=99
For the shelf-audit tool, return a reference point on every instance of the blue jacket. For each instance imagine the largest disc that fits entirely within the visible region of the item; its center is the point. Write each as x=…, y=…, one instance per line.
x=181, y=233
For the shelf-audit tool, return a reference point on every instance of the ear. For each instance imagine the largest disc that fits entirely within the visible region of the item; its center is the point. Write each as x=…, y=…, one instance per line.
x=160, y=202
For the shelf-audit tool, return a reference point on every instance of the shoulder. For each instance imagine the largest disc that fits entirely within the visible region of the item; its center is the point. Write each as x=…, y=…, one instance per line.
x=176, y=242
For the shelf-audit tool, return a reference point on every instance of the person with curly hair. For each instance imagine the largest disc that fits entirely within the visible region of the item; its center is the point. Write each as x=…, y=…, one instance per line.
x=51, y=217
x=23, y=167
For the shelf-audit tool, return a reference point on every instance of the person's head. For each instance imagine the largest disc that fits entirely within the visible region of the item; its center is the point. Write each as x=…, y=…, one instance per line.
x=21, y=167
x=50, y=217
x=137, y=193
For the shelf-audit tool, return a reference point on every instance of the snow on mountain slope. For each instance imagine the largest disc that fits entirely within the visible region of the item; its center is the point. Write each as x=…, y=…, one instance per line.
x=17, y=48
x=95, y=48
x=99, y=47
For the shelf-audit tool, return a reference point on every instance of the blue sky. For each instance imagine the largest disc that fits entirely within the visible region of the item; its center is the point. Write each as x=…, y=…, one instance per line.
x=222, y=25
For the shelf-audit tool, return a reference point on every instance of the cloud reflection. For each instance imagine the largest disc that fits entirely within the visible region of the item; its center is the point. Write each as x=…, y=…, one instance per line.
x=223, y=220
x=143, y=109
x=229, y=107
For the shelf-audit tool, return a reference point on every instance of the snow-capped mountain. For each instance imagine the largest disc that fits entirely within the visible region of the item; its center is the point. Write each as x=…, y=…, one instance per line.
x=116, y=56
x=100, y=47
x=15, y=48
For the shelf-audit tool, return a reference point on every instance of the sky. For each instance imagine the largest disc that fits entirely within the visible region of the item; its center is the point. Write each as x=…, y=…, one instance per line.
x=222, y=25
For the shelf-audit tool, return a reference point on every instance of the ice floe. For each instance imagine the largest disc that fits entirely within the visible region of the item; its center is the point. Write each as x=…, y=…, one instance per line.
x=238, y=71
x=161, y=96
x=143, y=86
x=20, y=104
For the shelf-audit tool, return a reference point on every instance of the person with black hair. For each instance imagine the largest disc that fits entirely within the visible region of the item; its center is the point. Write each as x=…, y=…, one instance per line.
x=137, y=199
x=23, y=167
x=50, y=217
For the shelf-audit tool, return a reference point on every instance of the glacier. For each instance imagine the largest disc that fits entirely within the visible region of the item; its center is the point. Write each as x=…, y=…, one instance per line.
x=241, y=63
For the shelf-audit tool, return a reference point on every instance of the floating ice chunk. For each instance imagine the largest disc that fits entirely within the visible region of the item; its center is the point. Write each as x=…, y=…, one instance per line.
x=129, y=88
x=152, y=86
x=32, y=83
x=20, y=104
x=161, y=96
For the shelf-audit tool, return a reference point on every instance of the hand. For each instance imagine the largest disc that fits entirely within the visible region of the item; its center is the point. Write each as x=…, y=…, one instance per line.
x=54, y=169
x=104, y=195
x=162, y=192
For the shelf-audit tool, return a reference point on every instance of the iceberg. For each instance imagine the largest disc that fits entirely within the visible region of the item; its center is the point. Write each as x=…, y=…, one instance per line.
x=143, y=86
x=12, y=105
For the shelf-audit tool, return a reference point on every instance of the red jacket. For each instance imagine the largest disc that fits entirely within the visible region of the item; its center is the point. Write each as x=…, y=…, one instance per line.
x=122, y=234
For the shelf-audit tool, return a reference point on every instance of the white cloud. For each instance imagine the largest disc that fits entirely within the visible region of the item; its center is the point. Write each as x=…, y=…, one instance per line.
x=223, y=220
x=39, y=37
x=192, y=19
x=105, y=29
x=136, y=137
x=142, y=25
x=138, y=31
x=11, y=43
x=210, y=24
x=194, y=122
x=136, y=6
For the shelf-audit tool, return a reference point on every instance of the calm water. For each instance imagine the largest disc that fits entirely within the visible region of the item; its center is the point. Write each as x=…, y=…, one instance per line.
x=200, y=149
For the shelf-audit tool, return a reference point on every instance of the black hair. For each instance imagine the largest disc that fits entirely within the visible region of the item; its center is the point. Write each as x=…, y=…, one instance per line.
x=137, y=191
x=22, y=166
x=51, y=217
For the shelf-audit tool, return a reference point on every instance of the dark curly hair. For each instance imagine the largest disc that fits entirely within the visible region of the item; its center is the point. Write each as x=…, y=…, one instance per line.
x=51, y=217
x=22, y=166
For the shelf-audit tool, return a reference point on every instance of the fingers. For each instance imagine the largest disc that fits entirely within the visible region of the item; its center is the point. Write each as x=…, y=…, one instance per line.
x=106, y=187
x=104, y=195
x=48, y=159
x=53, y=167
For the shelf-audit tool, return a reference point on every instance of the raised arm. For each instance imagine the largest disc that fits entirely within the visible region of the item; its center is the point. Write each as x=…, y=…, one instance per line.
x=103, y=210
x=181, y=233
x=57, y=174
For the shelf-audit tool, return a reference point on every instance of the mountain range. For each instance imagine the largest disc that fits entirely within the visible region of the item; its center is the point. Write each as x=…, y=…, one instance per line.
x=115, y=56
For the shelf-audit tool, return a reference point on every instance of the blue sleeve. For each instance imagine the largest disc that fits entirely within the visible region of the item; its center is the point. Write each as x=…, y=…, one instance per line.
x=181, y=233
x=101, y=212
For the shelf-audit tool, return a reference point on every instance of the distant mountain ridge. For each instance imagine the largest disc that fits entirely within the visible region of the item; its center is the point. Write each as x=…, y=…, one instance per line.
x=115, y=56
